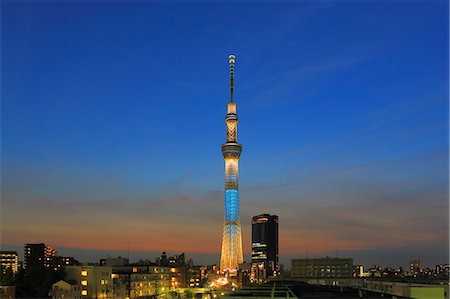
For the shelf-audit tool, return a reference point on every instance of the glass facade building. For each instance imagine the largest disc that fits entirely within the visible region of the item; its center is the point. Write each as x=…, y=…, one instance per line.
x=265, y=244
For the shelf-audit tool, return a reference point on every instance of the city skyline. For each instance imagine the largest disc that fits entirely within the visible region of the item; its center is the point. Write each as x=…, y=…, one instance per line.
x=112, y=116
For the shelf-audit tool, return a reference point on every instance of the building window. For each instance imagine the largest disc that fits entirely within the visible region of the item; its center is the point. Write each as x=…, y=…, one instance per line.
x=84, y=293
x=84, y=283
x=84, y=273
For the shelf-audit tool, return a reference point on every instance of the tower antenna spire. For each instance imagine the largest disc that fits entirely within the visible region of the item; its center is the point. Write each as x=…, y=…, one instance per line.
x=231, y=59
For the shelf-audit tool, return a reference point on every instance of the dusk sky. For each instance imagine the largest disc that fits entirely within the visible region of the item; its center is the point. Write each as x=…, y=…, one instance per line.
x=113, y=119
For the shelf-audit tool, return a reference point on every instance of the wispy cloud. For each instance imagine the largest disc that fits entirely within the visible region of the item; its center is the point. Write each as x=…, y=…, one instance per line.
x=276, y=89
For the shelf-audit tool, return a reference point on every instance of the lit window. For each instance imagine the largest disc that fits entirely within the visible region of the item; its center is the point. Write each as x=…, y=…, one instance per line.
x=84, y=282
x=102, y=281
x=84, y=273
x=84, y=293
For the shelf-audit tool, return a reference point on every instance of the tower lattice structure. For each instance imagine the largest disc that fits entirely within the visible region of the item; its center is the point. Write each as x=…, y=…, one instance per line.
x=231, y=255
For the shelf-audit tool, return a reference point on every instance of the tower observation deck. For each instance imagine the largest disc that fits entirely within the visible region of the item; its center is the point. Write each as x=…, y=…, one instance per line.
x=231, y=255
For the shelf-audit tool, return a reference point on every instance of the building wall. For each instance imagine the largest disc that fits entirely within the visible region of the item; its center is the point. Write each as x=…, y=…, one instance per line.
x=7, y=292
x=322, y=267
x=264, y=246
x=415, y=267
x=65, y=290
x=34, y=255
x=95, y=281
x=120, y=281
x=144, y=280
x=412, y=290
x=38, y=255
x=9, y=259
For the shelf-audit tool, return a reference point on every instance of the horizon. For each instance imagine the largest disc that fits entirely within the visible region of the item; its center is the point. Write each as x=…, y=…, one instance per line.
x=113, y=119
x=94, y=256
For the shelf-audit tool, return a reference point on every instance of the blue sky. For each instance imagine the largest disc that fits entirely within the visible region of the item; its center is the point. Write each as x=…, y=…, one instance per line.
x=113, y=118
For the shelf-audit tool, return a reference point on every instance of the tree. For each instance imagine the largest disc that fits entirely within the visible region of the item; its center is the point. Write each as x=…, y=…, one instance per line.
x=37, y=282
x=6, y=276
x=187, y=294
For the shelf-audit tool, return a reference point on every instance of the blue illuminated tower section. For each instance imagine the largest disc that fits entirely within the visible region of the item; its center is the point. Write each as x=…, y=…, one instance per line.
x=231, y=255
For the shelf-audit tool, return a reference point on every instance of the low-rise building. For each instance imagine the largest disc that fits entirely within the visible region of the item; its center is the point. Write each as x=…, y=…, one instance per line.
x=127, y=281
x=322, y=267
x=179, y=273
x=442, y=270
x=94, y=281
x=415, y=268
x=358, y=271
x=136, y=281
x=7, y=292
x=66, y=289
x=58, y=262
x=407, y=289
x=244, y=274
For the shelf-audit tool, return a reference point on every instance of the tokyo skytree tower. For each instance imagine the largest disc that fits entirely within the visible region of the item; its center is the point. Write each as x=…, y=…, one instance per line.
x=231, y=255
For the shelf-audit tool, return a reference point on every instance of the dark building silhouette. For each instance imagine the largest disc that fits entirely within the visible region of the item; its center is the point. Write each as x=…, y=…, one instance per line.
x=171, y=261
x=41, y=256
x=34, y=255
x=264, y=246
x=58, y=262
x=322, y=267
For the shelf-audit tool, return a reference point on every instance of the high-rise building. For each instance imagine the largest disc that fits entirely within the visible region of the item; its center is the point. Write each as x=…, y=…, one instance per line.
x=264, y=246
x=9, y=259
x=231, y=255
x=34, y=255
x=38, y=255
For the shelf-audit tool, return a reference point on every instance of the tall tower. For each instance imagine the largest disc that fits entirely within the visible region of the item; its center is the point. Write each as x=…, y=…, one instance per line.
x=231, y=255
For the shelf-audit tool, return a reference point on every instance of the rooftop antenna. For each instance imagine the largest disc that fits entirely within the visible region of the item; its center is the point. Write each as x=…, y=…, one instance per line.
x=231, y=59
